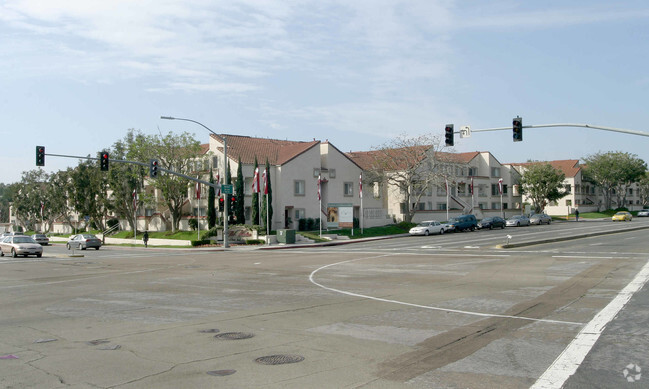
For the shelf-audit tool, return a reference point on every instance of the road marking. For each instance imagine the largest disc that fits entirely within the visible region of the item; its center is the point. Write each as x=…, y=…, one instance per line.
x=581, y=257
x=569, y=360
x=481, y=314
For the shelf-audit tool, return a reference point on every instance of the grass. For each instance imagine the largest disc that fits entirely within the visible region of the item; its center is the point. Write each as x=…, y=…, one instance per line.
x=178, y=235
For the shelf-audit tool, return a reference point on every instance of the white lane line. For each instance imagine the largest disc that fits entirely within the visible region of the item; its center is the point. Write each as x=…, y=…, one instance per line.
x=312, y=279
x=581, y=257
x=569, y=360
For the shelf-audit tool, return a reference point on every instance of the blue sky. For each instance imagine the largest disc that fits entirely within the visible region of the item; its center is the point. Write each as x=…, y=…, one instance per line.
x=75, y=75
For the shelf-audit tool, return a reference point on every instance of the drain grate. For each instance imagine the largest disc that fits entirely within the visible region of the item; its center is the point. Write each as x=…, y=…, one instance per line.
x=234, y=335
x=279, y=359
x=221, y=373
x=210, y=331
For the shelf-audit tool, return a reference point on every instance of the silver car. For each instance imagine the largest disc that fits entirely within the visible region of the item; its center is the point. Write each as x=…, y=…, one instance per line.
x=540, y=218
x=20, y=245
x=83, y=241
x=428, y=227
x=41, y=239
x=517, y=221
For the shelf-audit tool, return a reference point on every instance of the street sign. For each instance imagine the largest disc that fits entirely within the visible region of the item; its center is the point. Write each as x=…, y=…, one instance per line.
x=227, y=189
x=465, y=132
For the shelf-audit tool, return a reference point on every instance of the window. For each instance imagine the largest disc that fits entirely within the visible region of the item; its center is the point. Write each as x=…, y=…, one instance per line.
x=402, y=208
x=568, y=203
x=504, y=188
x=421, y=207
x=149, y=212
x=377, y=190
x=473, y=171
x=495, y=205
x=300, y=213
x=495, y=191
x=568, y=189
x=215, y=162
x=332, y=173
x=298, y=187
x=441, y=206
x=196, y=210
x=348, y=188
x=316, y=172
x=495, y=172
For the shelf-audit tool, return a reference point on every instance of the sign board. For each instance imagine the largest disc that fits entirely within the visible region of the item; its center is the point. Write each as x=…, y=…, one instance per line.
x=340, y=215
x=465, y=132
x=227, y=189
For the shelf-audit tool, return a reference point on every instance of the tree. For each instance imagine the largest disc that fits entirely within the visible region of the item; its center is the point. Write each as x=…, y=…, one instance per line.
x=175, y=153
x=239, y=212
x=614, y=172
x=29, y=195
x=542, y=184
x=88, y=192
x=413, y=165
x=127, y=180
x=211, y=207
x=267, y=201
x=643, y=189
x=254, y=213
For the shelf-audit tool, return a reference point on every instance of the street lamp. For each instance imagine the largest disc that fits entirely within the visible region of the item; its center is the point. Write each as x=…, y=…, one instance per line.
x=225, y=158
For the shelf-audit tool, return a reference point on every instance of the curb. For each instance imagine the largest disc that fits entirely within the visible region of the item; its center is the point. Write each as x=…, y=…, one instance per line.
x=564, y=238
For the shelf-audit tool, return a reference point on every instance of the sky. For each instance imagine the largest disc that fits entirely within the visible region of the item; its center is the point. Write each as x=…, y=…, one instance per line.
x=76, y=75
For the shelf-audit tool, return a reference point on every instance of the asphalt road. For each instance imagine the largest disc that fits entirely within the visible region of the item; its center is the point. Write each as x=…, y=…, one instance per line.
x=447, y=311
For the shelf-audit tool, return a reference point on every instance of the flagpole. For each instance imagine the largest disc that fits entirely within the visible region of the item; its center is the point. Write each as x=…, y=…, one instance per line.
x=446, y=182
x=198, y=210
x=360, y=193
x=500, y=189
x=320, y=202
x=135, y=215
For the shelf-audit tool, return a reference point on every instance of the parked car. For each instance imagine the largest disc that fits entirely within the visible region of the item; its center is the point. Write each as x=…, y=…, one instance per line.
x=41, y=239
x=540, y=218
x=428, y=227
x=517, y=221
x=492, y=222
x=83, y=241
x=20, y=245
x=462, y=223
x=643, y=213
x=622, y=216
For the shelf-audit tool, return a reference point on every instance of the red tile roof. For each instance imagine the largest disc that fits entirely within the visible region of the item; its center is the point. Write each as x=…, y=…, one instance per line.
x=569, y=167
x=278, y=152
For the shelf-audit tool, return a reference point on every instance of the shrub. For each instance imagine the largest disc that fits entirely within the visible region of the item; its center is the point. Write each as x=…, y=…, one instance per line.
x=255, y=241
x=301, y=224
x=310, y=224
x=214, y=231
x=193, y=224
x=200, y=242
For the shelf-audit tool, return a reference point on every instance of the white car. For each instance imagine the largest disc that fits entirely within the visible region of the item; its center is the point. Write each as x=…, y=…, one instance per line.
x=644, y=212
x=428, y=227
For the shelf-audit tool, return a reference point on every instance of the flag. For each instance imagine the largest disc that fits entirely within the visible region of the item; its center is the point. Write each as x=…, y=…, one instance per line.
x=500, y=186
x=471, y=185
x=134, y=198
x=446, y=184
x=218, y=185
x=198, y=190
x=255, y=181
x=360, y=186
x=319, y=195
x=265, y=179
x=42, y=208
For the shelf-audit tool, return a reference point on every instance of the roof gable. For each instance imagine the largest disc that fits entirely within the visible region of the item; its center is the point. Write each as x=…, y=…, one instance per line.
x=277, y=152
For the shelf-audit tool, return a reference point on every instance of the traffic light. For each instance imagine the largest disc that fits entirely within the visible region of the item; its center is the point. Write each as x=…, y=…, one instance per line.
x=517, y=126
x=233, y=203
x=40, y=155
x=448, y=132
x=221, y=204
x=153, y=168
x=103, y=164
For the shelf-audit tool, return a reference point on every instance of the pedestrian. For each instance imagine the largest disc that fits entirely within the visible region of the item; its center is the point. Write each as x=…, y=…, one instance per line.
x=576, y=215
x=145, y=238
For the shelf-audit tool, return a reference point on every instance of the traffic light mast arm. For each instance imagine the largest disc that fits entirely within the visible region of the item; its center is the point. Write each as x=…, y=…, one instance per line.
x=214, y=185
x=632, y=132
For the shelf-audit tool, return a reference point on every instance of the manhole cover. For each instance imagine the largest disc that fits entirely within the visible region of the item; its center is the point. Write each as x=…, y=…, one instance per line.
x=210, y=331
x=221, y=373
x=279, y=359
x=234, y=335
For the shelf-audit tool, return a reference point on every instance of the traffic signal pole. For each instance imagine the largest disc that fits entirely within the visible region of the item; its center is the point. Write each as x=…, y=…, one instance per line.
x=632, y=132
